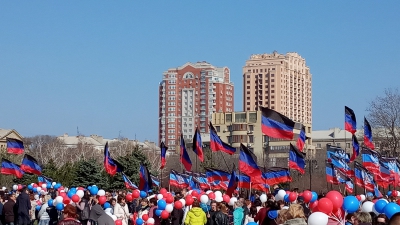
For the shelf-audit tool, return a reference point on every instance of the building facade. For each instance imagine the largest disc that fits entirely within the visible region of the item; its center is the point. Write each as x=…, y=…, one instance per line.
x=8, y=133
x=189, y=95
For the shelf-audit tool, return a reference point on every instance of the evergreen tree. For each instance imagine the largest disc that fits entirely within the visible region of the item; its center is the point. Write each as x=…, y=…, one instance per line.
x=50, y=170
x=89, y=172
x=66, y=173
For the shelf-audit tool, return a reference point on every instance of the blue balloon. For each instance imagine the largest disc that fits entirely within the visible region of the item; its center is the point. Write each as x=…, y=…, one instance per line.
x=34, y=189
x=30, y=187
x=389, y=193
x=70, y=194
x=38, y=207
x=380, y=206
x=139, y=221
x=94, y=190
x=158, y=212
x=286, y=198
x=107, y=205
x=48, y=185
x=351, y=204
x=161, y=204
x=59, y=206
x=50, y=202
x=143, y=194
x=73, y=190
x=205, y=207
x=252, y=223
x=314, y=197
x=369, y=194
x=391, y=209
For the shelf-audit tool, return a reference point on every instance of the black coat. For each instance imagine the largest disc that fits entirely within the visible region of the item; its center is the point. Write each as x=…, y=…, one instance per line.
x=24, y=206
x=176, y=216
x=9, y=211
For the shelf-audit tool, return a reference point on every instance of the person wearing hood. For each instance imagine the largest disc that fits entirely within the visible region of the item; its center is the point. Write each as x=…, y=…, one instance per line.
x=238, y=213
x=100, y=217
x=196, y=216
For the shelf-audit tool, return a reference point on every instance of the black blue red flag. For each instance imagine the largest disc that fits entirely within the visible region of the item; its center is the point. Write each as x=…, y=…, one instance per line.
x=128, y=183
x=15, y=146
x=146, y=182
x=163, y=149
x=233, y=182
x=216, y=175
x=368, y=135
x=176, y=180
x=185, y=159
x=302, y=138
x=216, y=144
x=9, y=168
x=276, y=125
x=350, y=123
x=276, y=175
x=111, y=166
x=198, y=145
x=248, y=162
x=296, y=159
x=356, y=148
x=155, y=181
x=31, y=165
x=363, y=177
x=370, y=160
x=244, y=181
x=338, y=152
x=330, y=173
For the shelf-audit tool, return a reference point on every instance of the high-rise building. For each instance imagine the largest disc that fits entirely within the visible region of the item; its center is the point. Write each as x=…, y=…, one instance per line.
x=189, y=95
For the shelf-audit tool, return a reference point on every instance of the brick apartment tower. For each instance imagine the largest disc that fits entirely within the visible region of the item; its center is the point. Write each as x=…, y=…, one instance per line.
x=188, y=95
x=280, y=82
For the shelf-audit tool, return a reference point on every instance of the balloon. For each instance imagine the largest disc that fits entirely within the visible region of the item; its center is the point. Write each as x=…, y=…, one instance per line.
x=30, y=187
x=164, y=215
x=169, y=208
x=339, y=213
x=204, y=199
x=53, y=184
x=211, y=195
x=161, y=204
x=118, y=222
x=183, y=201
x=263, y=198
x=195, y=193
x=94, y=190
x=66, y=201
x=232, y=201
x=394, y=193
x=219, y=199
x=389, y=193
x=15, y=187
x=160, y=196
x=107, y=205
x=170, y=199
x=307, y=195
x=252, y=223
x=314, y=206
x=139, y=221
x=189, y=200
x=292, y=196
x=325, y=205
x=218, y=193
x=50, y=202
x=380, y=205
x=226, y=198
x=318, y=218
x=143, y=194
x=163, y=191
x=178, y=205
x=80, y=193
x=145, y=217
x=44, y=185
x=367, y=206
x=286, y=198
x=158, y=212
x=101, y=192
x=150, y=221
x=102, y=200
x=336, y=198
x=391, y=209
x=59, y=199
x=350, y=204
x=128, y=197
x=314, y=197
x=60, y=206
x=38, y=207
x=135, y=194
x=280, y=195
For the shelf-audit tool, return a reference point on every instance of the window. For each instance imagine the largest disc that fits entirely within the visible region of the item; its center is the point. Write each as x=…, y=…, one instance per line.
x=228, y=118
x=347, y=145
x=217, y=128
x=248, y=87
x=251, y=139
x=252, y=118
x=240, y=117
x=319, y=145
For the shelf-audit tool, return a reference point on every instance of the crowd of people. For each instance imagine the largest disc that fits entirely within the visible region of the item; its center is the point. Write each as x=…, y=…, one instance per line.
x=23, y=207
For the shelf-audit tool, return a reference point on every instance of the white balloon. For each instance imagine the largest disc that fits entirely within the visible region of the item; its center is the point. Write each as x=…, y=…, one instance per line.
x=208, y=192
x=36, y=197
x=169, y=208
x=15, y=187
x=204, y=199
x=59, y=199
x=367, y=206
x=80, y=193
x=190, y=192
x=38, y=189
x=160, y=196
x=114, y=217
x=183, y=202
x=362, y=198
x=44, y=185
x=219, y=199
x=263, y=198
x=66, y=189
x=53, y=184
x=218, y=193
x=232, y=201
x=3, y=188
x=150, y=221
x=101, y=192
x=318, y=218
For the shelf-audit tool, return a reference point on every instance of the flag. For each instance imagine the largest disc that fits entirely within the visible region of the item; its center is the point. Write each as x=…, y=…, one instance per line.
x=145, y=183
x=14, y=146
x=201, y=179
x=198, y=145
x=349, y=186
x=163, y=149
x=341, y=164
x=356, y=148
x=244, y=181
x=155, y=181
x=276, y=125
x=128, y=183
x=368, y=135
x=370, y=159
x=248, y=162
x=391, y=165
x=276, y=175
x=302, y=138
x=45, y=179
x=9, y=168
x=338, y=152
x=350, y=123
x=363, y=177
x=176, y=180
x=30, y=165
x=233, y=182
x=260, y=187
x=185, y=159
x=330, y=173
x=111, y=165
x=216, y=144
x=214, y=175
x=296, y=159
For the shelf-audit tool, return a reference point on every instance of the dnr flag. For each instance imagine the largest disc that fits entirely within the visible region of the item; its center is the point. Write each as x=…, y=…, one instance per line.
x=198, y=145
x=356, y=148
x=163, y=149
x=302, y=138
x=15, y=146
x=216, y=144
x=30, y=165
x=9, y=168
x=276, y=125
x=248, y=162
x=296, y=159
x=368, y=135
x=350, y=123
x=185, y=159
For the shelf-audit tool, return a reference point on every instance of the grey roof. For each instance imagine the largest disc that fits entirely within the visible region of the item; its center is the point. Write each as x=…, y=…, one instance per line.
x=333, y=133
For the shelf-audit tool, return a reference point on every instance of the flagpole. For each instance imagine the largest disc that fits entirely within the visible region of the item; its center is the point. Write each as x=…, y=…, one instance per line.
x=161, y=178
x=250, y=190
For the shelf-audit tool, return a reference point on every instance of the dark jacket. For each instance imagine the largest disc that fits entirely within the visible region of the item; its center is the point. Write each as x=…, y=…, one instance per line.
x=24, y=206
x=98, y=215
x=53, y=214
x=220, y=218
x=9, y=211
x=210, y=220
x=176, y=216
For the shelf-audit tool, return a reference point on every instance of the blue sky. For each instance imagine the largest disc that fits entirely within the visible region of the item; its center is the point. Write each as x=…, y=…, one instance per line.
x=96, y=65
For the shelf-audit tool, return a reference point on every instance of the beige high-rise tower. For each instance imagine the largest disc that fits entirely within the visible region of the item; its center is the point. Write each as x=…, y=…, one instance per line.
x=279, y=82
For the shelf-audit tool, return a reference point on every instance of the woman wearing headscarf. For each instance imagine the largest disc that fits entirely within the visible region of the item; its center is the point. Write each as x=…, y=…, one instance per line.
x=98, y=216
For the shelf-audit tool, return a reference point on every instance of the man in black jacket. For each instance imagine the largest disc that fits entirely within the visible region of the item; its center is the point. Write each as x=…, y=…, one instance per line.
x=9, y=211
x=24, y=207
x=211, y=213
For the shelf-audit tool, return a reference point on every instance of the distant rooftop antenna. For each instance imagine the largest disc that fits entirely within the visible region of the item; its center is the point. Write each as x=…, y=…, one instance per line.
x=77, y=131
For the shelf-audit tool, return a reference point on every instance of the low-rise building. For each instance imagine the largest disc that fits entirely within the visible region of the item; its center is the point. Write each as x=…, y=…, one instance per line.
x=8, y=133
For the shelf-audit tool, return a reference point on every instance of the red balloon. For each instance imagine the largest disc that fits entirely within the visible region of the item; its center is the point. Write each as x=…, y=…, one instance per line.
x=314, y=206
x=66, y=201
x=325, y=205
x=63, y=194
x=336, y=199
x=145, y=217
x=340, y=214
x=226, y=198
x=178, y=205
x=358, y=197
x=163, y=191
x=301, y=194
x=189, y=200
x=195, y=193
x=287, y=192
x=170, y=199
x=128, y=197
x=75, y=198
x=394, y=193
x=102, y=200
x=292, y=196
x=307, y=196
x=398, y=201
x=375, y=200
x=61, y=188
x=118, y=222
x=34, y=185
x=136, y=194
x=164, y=214
x=211, y=195
x=81, y=188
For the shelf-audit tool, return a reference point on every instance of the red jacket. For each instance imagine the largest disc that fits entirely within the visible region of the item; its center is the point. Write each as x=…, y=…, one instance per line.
x=69, y=221
x=261, y=215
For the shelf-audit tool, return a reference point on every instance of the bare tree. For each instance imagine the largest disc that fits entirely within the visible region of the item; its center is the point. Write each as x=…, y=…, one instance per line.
x=384, y=116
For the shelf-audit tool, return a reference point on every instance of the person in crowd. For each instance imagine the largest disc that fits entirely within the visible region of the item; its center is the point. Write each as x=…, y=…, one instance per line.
x=33, y=208
x=221, y=215
x=69, y=216
x=282, y=216
x=196, y=216
x=349, y=219
x=97, y=215
x=176, y=215
x=250, y=217
x=144, y=209
x=280, y=204
x=363, y=218
x=262, y=212
x=9, y=210
x=53, y=214
x=83, y=209
x=112, y=202
x=23, y=204
x=381, y=219
x=1, y=208
x=238, y=213
x=295, y=215
x=211, y=213
x=152, y=211
x=395, y=220
x=43, y=216
x=121, y=210
x=184, y=192
x=257, y=203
